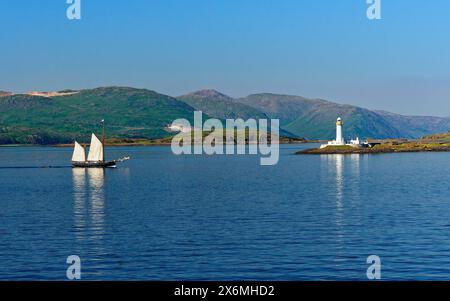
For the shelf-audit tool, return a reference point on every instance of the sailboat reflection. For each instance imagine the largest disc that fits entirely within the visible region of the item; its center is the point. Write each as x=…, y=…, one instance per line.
x=89, y=202
x=79, y=187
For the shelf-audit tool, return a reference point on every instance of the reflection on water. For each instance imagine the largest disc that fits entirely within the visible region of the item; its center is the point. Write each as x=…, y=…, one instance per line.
x=339, y=162
x=355, y=171
x=177, y=218
x=354, y=159
x=79, y=192
x=89, y=188
x=96, y=178
x=334, y=164
x=344, y=178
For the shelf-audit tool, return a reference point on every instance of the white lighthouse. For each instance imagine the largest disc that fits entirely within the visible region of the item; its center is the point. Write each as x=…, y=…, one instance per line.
x=339, y=137
x=339, y=141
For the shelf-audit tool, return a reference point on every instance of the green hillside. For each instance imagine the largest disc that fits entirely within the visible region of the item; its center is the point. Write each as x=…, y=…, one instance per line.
x=220, y=106
x=143, y=114
x=320, y=123
x=128, y=112
x=315, y=118
x=287, y=108
x=437, y=138
x=416, y=126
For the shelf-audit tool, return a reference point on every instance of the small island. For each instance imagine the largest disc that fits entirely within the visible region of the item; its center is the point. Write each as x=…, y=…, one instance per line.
x=432, y=143
x=115, y=141
x=384, y=147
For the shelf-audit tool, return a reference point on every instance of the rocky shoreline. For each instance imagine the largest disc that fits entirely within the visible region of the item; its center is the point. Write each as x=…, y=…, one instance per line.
x=406, y=147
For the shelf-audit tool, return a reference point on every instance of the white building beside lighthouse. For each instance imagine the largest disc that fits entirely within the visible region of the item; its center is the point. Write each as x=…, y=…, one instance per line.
x=340, y=140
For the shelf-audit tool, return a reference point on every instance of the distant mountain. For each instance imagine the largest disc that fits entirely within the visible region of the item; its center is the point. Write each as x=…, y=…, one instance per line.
x=221, y=106
x=60, y=117
x=315, y=118
x=287, y=108
x=417, y=126
x=129, y=112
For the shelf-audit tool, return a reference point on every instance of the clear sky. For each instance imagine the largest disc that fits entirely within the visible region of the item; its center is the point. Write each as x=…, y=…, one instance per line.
x=315, y=48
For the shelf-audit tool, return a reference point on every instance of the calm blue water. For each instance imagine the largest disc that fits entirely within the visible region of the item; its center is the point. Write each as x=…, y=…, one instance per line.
x=166, y=217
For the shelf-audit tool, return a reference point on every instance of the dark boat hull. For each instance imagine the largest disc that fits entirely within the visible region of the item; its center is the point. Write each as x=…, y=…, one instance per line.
x=94, y=164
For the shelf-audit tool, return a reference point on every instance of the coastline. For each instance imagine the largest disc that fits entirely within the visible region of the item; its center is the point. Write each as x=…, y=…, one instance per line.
x=144, y=142
x=384, y=148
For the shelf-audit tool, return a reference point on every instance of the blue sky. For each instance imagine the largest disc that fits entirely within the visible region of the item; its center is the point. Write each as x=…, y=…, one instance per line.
x=315, y=48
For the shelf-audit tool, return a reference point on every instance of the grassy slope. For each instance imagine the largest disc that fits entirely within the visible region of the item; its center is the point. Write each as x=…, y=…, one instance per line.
x=129, y=113
x=320, y=123
x=220, y=106
x=315, y=118
x=437, y=138
x=140, y=113
x=287, y=108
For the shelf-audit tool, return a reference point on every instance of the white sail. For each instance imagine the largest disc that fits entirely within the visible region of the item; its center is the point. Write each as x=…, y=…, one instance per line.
x=79, y=154
x=95, y=150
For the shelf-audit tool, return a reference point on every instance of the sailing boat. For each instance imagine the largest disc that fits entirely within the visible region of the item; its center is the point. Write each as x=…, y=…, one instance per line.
x=96, y=156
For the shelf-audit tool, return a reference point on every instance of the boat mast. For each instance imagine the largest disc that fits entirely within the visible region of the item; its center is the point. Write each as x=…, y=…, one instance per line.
x=103, y=139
